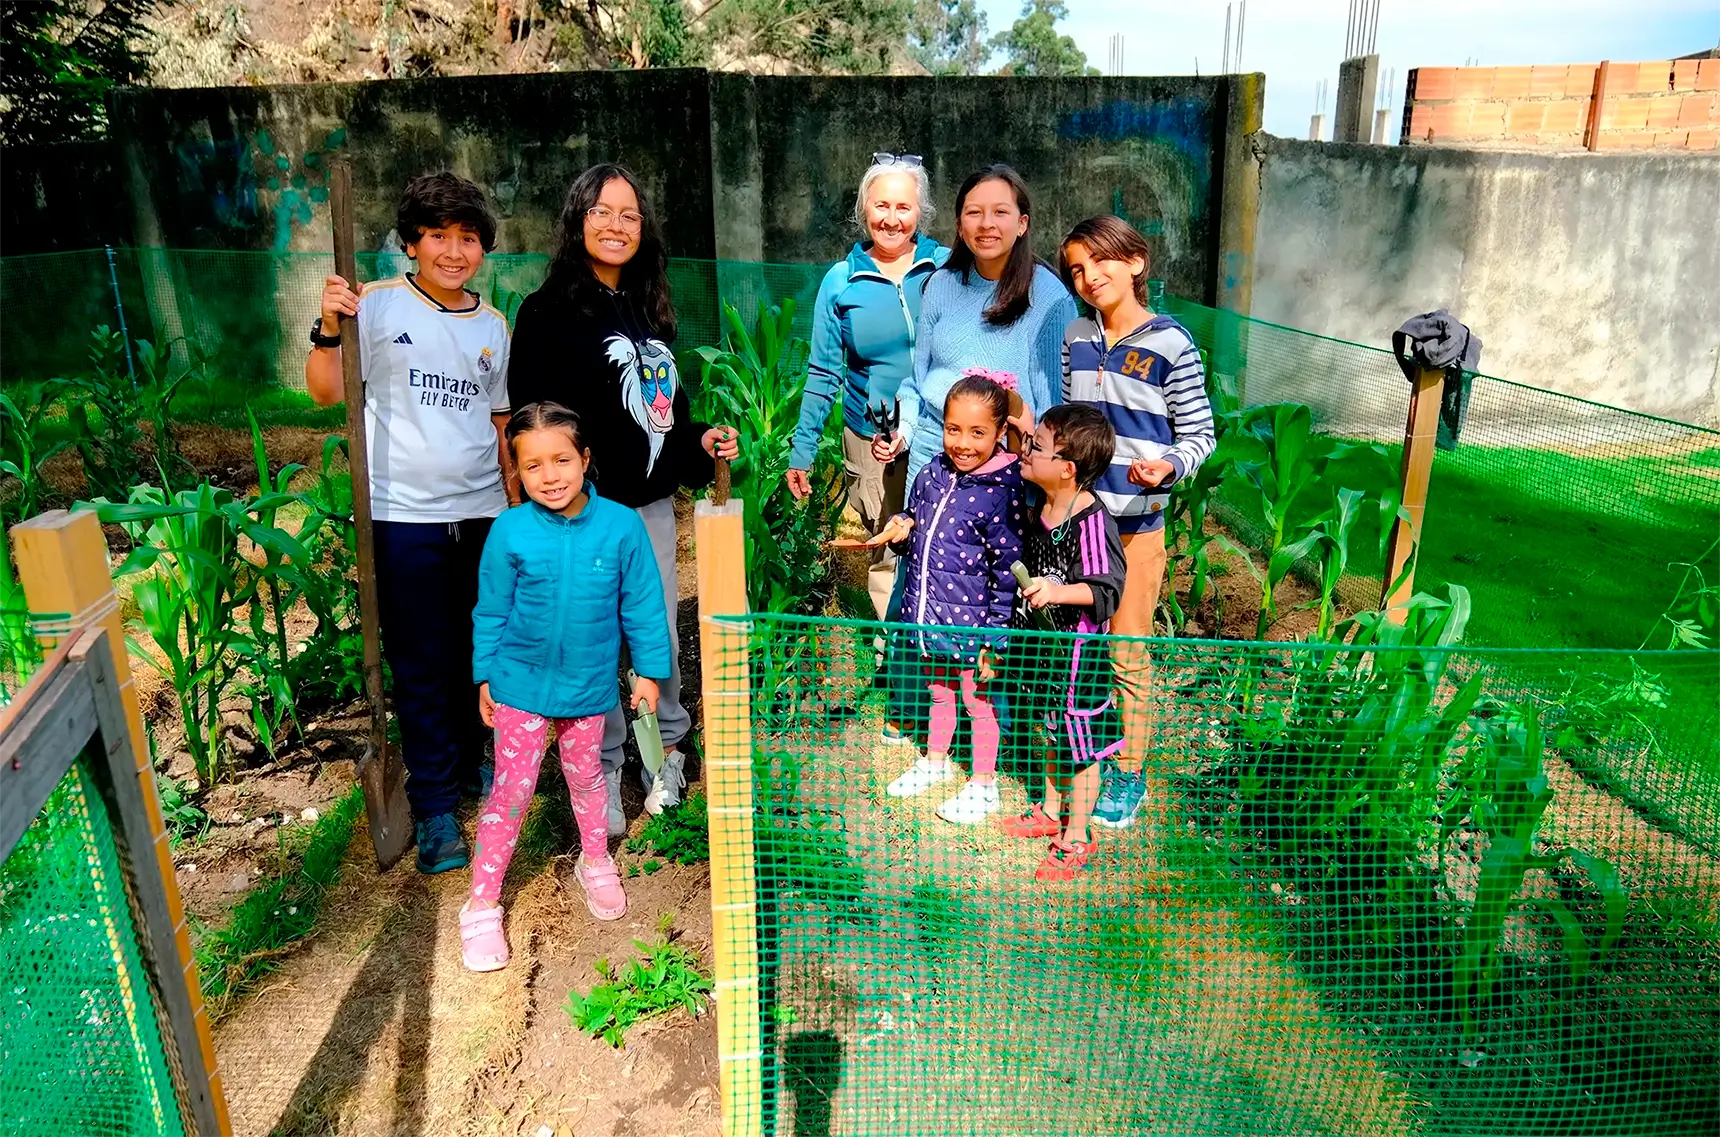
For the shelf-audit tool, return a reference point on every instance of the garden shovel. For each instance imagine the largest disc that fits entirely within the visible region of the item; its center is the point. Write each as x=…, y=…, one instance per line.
x=647, y=735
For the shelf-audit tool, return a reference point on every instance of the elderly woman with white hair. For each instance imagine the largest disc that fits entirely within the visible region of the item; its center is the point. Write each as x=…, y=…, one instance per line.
x=863, y=345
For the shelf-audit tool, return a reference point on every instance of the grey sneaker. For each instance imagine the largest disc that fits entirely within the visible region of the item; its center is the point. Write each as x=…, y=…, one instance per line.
x=667, y=784
x=617, y=819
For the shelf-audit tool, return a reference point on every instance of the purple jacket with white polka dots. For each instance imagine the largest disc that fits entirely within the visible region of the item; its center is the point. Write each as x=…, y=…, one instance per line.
x=967, y=532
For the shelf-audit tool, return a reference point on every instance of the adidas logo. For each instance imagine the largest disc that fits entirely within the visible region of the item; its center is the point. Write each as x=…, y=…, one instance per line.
x=403, y=338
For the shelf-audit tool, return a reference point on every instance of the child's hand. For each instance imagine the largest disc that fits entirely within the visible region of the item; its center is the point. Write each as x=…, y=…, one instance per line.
x=1039, y=592
x=1149, y=472
x=886, y=450
x=722, y=442
x=338, y=300
x=1023, y=422
x=987, y=664
x=486, y=706
x=896, y=530
x=645, y=691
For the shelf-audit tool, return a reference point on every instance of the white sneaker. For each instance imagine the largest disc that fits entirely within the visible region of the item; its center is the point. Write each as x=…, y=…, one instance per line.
x=667, y=784
x=617, y=818
x=921, y=776
x=972, y=804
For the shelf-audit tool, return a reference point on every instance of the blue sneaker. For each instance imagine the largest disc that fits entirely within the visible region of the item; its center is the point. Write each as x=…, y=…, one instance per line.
x=440, y=846
x=1120, y=796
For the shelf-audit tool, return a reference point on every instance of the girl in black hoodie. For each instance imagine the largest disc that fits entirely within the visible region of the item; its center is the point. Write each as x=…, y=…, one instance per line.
x=597, y=338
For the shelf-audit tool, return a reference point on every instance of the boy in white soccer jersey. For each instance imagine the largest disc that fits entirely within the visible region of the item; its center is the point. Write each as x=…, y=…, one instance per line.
x=435, y=402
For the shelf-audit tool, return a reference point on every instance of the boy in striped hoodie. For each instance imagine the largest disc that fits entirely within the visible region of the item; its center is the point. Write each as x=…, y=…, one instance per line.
x=1144, y=373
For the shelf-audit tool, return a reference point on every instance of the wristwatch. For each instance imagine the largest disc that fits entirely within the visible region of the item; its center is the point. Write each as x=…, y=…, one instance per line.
x=320, y=340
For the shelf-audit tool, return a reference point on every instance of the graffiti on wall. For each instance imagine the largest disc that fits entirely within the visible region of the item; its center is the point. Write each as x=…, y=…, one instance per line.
x=240, y=184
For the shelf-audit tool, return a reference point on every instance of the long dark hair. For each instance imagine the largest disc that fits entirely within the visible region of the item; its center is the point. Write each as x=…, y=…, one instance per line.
x=1015, y=286
x=645, y=277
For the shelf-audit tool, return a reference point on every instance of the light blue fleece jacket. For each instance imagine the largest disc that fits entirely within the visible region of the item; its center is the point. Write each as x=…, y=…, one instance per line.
x=555, y=595
x=954, y=336
x=862, y=341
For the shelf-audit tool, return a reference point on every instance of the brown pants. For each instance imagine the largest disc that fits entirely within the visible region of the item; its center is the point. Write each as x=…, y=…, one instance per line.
x=1144, y=557
x=876, y=491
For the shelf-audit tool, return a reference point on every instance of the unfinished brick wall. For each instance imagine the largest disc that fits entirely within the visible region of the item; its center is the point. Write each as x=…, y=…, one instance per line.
x=1670, y=103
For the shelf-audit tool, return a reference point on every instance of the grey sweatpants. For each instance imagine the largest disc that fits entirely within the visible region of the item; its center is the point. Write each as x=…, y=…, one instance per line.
x=659, y=518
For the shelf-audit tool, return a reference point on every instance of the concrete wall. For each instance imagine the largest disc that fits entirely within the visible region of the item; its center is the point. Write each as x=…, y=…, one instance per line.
x=1595, y=275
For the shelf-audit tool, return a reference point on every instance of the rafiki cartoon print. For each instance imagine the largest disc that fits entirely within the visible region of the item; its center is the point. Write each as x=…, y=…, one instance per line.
x=648, y=379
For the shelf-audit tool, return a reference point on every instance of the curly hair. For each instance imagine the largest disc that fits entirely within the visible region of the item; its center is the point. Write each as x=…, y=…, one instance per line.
x=434, y=201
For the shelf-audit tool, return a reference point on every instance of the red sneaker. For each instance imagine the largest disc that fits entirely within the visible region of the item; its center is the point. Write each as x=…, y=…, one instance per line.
x=1035, y=822
x=1066, y=861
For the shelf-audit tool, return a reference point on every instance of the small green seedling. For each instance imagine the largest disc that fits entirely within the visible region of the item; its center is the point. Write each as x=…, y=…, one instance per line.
x=680, y=835
x=666, y=977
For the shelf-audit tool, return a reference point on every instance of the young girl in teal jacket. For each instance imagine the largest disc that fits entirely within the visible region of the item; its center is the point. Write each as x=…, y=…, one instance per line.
x=562, y=577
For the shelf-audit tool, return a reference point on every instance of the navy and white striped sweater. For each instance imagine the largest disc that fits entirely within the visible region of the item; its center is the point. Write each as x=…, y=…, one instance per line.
x=1151, y=387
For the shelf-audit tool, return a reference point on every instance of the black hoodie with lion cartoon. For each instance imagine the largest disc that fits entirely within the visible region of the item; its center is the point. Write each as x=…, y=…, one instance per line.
x=611, y=368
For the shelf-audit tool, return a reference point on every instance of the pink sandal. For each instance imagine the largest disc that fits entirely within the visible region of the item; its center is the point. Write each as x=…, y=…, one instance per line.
x=483, y=944
x=602, y=883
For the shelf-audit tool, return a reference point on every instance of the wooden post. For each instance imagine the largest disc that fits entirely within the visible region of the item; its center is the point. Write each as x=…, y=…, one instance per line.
x=1419, y=433
x=62, y=562
x=379, y=770
x=718, y=535
x=1597, y=104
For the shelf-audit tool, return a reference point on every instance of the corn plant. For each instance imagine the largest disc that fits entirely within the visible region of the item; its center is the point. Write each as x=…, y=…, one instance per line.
x=20, y=651
x=23, y=453
x=1510, y=795
x=1287, y=480
x=111, y=446
x=1186, y=537
x=754, y=380
x=192, y=582
x=1338, y=764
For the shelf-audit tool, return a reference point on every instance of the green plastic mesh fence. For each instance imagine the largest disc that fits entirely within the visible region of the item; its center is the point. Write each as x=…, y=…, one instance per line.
x=1372, y=889
x=1578, y=522
x=80, y=1051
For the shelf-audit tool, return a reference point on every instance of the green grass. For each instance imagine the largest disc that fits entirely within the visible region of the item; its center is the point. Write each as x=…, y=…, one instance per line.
x=232, y=958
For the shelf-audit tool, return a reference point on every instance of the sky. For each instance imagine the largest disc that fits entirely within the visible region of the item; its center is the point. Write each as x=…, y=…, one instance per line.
x=1297, y=43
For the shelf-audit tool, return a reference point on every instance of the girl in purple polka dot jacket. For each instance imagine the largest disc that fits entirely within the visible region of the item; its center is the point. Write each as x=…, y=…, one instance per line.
x=960, y=533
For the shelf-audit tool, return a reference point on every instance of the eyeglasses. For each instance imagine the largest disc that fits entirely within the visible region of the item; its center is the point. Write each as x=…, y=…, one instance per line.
x=604, y=218
x=885, y=158
x=1033, y=448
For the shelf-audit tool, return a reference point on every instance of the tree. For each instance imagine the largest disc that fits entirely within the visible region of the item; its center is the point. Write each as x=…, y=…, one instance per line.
x=58, y=58
x=1034, y=47
x=948, y=37
x=843, y=37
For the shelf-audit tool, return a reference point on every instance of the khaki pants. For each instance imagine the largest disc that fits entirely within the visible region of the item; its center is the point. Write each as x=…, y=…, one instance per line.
x=1144, y=558
x=876, y=492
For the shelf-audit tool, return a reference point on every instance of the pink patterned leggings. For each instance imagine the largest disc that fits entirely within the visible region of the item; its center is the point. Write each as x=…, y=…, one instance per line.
x=520, y=741
x=942, y=727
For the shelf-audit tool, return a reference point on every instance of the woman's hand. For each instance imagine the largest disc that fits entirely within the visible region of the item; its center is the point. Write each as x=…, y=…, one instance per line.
x=645, y=691
x=486, y=706
x=1149, y=472
x=722, y=442
x=1039, y=592
x=886, y=451
x=895, y=530
x=338, y=299
x=798, y=484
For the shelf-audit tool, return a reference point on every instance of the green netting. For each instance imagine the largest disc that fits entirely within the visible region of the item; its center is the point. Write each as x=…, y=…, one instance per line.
x=80, y=1051
x=1572, y=522
x=1373, y=891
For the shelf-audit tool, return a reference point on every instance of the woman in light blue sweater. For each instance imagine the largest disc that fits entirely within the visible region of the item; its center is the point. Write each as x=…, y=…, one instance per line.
x=992, y=306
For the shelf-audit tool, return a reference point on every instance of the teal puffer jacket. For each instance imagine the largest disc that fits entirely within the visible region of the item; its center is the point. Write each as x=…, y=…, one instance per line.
x=555, y=596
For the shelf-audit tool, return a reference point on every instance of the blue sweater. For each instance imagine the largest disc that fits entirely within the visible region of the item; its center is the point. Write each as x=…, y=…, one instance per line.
x=862, y=341
x=554, y=596
x=953, y=336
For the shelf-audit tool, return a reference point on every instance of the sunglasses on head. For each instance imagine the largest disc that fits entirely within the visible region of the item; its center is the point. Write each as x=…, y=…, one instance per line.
x=885, y=158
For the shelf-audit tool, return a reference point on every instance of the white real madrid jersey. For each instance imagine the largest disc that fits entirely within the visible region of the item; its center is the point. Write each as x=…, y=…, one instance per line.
x=432, y=379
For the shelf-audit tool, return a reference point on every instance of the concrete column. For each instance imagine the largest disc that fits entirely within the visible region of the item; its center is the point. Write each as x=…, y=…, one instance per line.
x=1382, y=123
x=1316, y=127
x=1357, y=79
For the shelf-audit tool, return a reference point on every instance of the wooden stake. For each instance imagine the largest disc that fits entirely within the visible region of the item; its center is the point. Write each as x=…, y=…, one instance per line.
x=62, y=562
x=379, y=770
x=719, y=538
x=1420, y=431
x=1597, y=104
